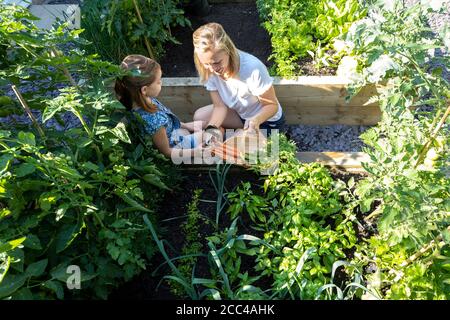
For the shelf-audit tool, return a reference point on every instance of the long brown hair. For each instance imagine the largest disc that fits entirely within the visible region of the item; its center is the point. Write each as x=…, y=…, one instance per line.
x=209, y=37
x=140, y=71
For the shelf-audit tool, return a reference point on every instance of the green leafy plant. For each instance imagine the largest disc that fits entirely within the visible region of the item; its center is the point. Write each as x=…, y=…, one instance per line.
x=192, y=244
x=243, y=199
x=409, y=149
x=131, y=26
x=74, y=197
x=295, y=212
x=299, y=28
x=225, y=264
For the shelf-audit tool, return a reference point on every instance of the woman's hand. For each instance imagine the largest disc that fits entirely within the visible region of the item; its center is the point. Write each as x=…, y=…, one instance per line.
x=252, y=125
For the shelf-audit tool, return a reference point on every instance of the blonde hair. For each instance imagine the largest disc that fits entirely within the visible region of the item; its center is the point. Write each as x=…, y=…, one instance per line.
x=141, y=72
x=212, y=36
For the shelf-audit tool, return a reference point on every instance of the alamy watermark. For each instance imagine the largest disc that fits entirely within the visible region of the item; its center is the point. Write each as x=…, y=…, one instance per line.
x=231, y=146
x=74, y=280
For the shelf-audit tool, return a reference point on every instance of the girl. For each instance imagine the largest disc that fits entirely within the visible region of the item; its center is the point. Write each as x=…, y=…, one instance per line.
x=138, y=90
x=241, y=89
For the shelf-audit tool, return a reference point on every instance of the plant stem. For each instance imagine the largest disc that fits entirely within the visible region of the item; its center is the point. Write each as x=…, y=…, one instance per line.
x=427, y=145
x=66, y=72
x=28, y=111
x=420, y=253
x=147, y=43
x=374, y=214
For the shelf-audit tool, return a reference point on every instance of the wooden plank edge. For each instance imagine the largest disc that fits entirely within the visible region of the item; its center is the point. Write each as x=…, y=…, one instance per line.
x=277, y=81
x=347, y=161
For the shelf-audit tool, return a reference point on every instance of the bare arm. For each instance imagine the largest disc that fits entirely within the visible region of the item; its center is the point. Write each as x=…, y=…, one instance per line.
x=161, y=142
x=269, y=102
x=192, y=126
x=219, y=112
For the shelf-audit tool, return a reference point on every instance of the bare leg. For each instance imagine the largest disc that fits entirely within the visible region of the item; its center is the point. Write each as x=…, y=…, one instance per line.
x=232, y=119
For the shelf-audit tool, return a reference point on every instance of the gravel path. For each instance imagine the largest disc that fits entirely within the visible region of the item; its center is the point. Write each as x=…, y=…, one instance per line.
x=346, y=138
x=327, y=138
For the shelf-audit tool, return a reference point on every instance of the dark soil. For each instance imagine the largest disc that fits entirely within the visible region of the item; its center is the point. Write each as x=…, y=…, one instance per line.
x=241, y=22
x=175, y=204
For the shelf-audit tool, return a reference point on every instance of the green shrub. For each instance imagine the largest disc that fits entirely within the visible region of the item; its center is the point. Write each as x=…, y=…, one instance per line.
x=119, y=28
x=300, y=27
x=72, y=198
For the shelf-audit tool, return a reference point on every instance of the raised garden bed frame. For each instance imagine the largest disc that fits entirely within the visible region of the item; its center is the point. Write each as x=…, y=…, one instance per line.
x=308, y=100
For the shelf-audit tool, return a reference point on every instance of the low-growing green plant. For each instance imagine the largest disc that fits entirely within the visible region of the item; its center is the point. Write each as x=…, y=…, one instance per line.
x=192, y=243
x=131, y=26
x=352, y=290
x=243, y=200
x=218, y=181
x=225, y=264
x=299, y=28
x=305, y=232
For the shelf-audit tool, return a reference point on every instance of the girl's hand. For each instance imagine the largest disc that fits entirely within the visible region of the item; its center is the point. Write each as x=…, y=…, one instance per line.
x=193, y=126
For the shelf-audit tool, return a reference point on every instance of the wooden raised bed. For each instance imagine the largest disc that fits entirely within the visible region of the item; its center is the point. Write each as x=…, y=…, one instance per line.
x=308, y=100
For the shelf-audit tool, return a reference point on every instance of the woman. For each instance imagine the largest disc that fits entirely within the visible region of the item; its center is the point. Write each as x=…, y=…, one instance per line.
x=240, y=86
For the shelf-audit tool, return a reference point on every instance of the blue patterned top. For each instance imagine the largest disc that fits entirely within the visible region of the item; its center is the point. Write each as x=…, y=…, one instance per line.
x=163, y=117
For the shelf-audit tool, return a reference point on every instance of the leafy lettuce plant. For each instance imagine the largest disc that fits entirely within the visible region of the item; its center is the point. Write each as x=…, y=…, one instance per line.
x=299, y=28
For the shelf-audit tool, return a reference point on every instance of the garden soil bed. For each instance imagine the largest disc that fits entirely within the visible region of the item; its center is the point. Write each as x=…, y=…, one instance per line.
x=241, y=22
x=175, y=204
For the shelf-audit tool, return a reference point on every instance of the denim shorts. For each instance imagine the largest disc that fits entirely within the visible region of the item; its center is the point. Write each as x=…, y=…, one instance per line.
x=187, y=142
x=271, y=125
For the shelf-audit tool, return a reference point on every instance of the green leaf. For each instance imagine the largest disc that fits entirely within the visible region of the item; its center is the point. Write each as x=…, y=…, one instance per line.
x=66, y=235
x=70, y=172
x=4, y=213
x=52, y=108
x=155, y=180
x=4, y=134
x=56, y=287
x=25, y=169
x=351, y=183
x=120, y=132
x=366, y=204
x=133, y=203
x=5, y=160
x=23, y=294
x=90, y=166
x=46, y=200
x=32, y=242
x=83, y=142
x=36, y=269
x=137, y=153
x=17, y=259
x=4, y=267
x=11, y=244
x=11, y=283
x=446, y=236
x=26, y=138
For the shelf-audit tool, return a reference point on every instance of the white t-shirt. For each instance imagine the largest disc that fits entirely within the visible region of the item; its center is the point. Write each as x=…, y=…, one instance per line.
x=242, y=94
